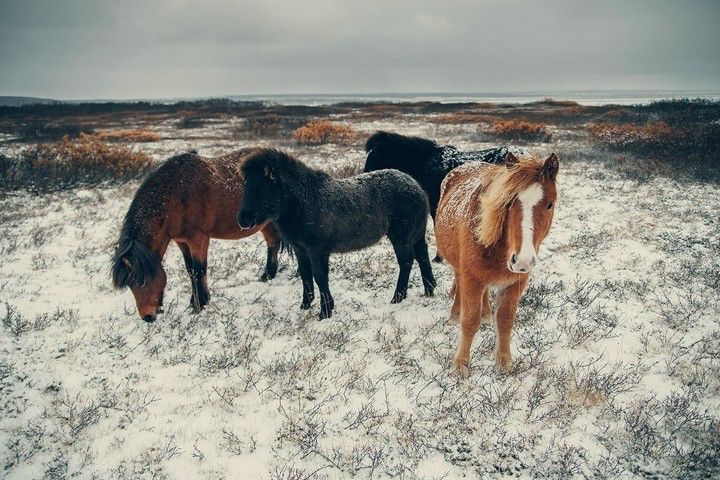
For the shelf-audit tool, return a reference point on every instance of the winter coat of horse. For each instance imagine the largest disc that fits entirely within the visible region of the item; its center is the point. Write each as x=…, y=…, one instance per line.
x=320, y=215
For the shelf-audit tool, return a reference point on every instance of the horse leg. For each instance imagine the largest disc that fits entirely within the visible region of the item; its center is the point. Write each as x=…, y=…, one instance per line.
x=486, y=315
x=455, y=309
x=198, y=252
x=508, y=300
x=320, y=262
x=187, y=257
x=405, y=258
x=421, y=255
x=272, y=238
x=471, y=300
x=306, y=274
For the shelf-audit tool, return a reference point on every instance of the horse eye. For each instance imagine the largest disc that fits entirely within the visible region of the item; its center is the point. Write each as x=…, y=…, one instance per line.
x=550, y=205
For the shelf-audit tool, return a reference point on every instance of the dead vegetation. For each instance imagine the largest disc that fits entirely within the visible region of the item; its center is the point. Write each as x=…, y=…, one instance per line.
x=128, y=135
x=519, y=130
x=85, y=160
x=318, y=132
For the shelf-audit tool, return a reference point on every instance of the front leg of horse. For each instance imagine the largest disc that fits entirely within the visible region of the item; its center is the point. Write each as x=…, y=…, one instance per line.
x=508, y=300
x=271, y=263
x=272, y=238
x=320, y=262
x=471, y=306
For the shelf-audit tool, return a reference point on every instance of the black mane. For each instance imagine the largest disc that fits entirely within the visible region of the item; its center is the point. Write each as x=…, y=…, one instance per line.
x=423, y=159
x=133, y=263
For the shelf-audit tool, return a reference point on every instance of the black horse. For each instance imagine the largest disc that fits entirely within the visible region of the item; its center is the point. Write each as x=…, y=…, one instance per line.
x=319, y=215
x=424, y=160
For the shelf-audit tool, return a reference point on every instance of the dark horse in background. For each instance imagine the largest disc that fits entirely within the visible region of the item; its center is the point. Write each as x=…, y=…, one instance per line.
x=319, y=215
x=425, y=160
x=189, y=199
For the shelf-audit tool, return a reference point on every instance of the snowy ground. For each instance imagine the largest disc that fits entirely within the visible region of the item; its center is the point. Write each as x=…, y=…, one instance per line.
x=616, y=348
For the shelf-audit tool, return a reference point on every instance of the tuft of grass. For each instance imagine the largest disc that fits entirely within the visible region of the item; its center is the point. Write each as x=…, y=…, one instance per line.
x=519, y=130
x=128, y=135
x=71, y=162
x=322, y=131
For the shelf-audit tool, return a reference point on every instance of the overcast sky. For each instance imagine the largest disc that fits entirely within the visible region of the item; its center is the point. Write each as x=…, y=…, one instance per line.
x=81, y=49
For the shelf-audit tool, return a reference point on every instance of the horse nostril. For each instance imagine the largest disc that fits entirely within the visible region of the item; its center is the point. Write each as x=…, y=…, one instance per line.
x=513, y=259
x=149, y=318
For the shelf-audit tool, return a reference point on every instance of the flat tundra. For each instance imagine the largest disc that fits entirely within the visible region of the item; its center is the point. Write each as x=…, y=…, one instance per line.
x=490, y=222
x=319, y=215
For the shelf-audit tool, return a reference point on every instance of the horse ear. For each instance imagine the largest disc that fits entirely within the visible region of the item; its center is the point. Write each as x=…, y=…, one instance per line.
x=127, y=263
x=269, y=173
x=552, y=164
x=510, y=160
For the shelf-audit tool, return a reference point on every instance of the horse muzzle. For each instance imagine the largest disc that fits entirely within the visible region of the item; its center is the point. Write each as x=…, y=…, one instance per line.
x=247, y=219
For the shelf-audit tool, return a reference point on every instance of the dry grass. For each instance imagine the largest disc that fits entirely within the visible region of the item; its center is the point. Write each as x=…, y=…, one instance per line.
x=85, y=160
x=518, y=130
x=262, y=126
x=128, y=135
x=322, y=131
x=464, y=118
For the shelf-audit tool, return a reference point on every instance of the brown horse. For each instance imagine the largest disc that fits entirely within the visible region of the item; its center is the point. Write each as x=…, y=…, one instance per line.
x=189, y=199
x=489, y=225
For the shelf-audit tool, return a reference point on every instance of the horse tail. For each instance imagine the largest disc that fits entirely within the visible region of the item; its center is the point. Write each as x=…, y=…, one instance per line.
x=286, y=247
x=392, y=150
x=133, y=263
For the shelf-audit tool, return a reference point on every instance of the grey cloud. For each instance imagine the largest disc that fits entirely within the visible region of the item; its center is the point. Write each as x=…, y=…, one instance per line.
x=168, y=48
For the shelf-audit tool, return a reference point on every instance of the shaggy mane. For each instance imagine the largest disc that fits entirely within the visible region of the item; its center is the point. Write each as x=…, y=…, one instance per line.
x=503, y=185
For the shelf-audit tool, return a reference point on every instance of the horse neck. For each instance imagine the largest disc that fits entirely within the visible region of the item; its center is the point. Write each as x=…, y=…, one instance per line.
x=149, y=230
x=298, y=188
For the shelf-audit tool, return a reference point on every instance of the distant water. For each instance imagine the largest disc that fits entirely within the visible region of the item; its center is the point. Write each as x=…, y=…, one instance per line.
x=616, y=97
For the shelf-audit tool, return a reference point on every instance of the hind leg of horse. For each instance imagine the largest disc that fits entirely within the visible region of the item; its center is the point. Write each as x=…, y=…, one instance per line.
x=471, y=300
x=306, y=274
x=455, y=309
x=272, y=238
x=508, y=300
x=198, y=253
x=421, y=255
x=405, y=257
x=320, y=262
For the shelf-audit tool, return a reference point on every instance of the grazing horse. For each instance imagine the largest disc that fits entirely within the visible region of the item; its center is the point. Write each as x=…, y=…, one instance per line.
x=189, y=199
x=319, y=215
x=489, y=226
x=425, y=160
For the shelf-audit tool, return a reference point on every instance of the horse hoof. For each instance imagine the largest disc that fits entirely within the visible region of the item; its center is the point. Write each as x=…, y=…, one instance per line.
x=324, y=315
x=398, y=297
x=460, y=368
x=429, y=293
x=265, y=277
x=503, y=362
x=305, y=306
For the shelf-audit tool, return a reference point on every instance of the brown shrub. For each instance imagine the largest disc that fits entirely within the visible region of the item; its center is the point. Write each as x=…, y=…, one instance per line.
x=85, y=160
x=322, y=131
x=128, y=135
x=519, y=130
x=629, y=135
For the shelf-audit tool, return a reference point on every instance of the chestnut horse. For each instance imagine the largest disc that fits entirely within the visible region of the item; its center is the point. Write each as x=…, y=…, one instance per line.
x=189, y=199
x=489, y=225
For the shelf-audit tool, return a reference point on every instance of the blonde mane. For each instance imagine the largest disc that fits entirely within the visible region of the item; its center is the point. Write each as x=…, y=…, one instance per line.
x=502, y=185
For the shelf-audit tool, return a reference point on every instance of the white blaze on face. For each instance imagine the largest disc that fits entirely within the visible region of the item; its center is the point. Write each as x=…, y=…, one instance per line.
x=528, y=198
